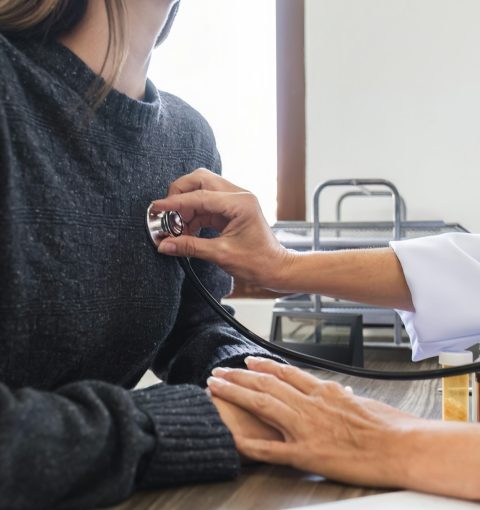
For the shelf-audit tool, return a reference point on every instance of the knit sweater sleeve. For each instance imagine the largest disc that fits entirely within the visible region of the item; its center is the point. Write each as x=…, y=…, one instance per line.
x=92, y=444
x=200, y=339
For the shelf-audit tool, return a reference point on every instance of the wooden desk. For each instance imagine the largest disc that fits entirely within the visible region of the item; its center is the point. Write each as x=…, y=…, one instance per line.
x=274, y=487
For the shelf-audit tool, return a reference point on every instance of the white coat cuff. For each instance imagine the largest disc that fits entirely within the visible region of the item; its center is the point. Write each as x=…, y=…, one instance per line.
x=443, y=275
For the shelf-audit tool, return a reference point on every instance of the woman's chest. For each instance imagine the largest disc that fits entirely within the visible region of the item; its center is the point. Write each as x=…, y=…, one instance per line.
x=84, y=293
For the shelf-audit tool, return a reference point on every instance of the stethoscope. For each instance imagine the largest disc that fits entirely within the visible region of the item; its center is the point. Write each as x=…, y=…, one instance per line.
x=170, y=223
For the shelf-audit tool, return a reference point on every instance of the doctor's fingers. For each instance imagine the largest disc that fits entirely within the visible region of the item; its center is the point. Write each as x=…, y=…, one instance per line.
x=191, y=246
x=262, y=405
x=299, y=379
x=201, y=178
x=199, y=202
x=263, y=383
x=215, y=221
x=262, y=450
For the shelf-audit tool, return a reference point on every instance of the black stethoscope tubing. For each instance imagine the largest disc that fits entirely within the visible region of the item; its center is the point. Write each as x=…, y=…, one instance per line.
x=166, y=223
x=314, y=361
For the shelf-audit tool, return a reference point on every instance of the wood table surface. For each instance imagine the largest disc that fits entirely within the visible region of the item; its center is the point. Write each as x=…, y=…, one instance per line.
x=268, y=487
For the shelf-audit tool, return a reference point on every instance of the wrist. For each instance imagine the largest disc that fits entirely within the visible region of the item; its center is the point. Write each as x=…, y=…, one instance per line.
x=401, y=447
x=284, y=273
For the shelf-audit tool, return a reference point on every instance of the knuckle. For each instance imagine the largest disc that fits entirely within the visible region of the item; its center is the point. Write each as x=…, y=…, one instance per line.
x=286, y=371
x=189, y=248
x=203, y=175
x=265, y=452
x=250, y=198
x=223, y=252
x=332, y=387
x=261, y=401
x=267, y=382
x=173, y=189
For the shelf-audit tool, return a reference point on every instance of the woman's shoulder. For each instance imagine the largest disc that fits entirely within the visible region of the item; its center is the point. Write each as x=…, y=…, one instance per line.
x=182, y=127
x=186, y=117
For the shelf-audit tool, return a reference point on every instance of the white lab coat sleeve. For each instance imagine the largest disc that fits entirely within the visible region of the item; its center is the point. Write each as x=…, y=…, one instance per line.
x=443, y=275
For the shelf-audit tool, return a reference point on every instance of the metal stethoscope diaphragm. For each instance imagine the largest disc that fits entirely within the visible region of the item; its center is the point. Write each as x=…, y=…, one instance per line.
x=163, y=224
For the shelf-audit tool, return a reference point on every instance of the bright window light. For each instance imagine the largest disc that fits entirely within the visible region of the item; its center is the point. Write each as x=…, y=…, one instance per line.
x=220, y=58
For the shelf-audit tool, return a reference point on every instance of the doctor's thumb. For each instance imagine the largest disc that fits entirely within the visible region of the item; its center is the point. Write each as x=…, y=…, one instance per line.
x=189, y=246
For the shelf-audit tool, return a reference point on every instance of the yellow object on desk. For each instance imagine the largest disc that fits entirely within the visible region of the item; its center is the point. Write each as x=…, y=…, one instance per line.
x=455, y=389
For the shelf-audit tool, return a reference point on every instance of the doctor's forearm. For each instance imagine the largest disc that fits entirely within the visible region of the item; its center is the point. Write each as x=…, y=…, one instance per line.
x=440, y=457
x=369, y=276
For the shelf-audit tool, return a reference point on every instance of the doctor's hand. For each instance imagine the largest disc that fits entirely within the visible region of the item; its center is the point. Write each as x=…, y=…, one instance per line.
x=246, y=246
x=325, y=428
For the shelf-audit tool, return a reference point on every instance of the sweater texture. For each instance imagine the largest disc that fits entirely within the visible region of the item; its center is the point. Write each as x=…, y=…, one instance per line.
x=87, y=305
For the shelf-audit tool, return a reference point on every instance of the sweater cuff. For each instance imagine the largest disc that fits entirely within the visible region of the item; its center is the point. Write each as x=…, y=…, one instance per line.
x=192, y=442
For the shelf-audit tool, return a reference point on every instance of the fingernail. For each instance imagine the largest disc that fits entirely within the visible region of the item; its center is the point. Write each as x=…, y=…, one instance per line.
x=166, y=247
x=349, y=389
x=220, y=371
x=153, y=208
x=250, y=359
x=215, y=381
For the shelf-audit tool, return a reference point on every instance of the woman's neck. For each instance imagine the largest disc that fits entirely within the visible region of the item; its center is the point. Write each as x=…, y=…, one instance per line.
x=89, y=41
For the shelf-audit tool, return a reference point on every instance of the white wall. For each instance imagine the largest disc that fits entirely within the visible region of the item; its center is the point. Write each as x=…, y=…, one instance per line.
x=393, y=91
x=255, y=314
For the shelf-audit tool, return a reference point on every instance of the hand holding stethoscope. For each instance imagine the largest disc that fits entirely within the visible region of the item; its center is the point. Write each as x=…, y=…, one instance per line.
x=246, y=247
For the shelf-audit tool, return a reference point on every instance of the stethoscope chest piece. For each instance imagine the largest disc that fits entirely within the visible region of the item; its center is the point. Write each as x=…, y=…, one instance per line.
x=163, y=224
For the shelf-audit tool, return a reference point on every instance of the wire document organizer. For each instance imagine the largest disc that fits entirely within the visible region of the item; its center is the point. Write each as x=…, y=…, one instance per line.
x=306, y=321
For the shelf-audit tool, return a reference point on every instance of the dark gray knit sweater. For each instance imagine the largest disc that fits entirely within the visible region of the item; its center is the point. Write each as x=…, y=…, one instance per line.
x=87, y=304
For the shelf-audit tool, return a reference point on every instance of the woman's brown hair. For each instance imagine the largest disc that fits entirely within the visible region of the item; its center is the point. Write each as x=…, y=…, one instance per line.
x=49, y=19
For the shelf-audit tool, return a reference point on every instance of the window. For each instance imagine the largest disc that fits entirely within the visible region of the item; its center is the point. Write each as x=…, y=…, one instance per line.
x=221, y=58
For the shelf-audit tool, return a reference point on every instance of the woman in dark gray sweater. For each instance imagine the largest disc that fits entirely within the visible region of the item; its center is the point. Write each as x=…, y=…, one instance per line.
x=86, y=303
